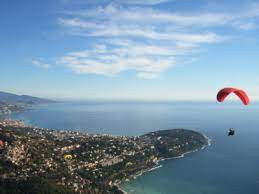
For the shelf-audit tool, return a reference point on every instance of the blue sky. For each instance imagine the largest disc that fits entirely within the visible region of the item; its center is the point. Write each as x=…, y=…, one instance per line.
x=129, y=49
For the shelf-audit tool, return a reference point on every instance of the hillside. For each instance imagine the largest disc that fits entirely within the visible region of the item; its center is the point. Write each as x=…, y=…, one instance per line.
x=22, y=99
x=174, y=142
x=96, y=163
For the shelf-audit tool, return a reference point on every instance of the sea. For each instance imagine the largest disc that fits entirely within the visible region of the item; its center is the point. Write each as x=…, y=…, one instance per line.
x=230, y=165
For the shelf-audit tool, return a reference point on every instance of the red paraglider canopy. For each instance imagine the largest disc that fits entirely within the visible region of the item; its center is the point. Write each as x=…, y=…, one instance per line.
x=222, y=94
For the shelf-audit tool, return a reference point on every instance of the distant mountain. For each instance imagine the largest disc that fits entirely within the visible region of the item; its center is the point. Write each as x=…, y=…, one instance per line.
x=22, y=99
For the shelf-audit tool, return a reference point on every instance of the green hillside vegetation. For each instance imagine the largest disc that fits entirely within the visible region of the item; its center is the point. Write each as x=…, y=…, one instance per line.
x=34, y=185
x=97, y=163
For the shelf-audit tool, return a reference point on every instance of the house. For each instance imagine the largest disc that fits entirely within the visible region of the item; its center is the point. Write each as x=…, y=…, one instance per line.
x=1, y=143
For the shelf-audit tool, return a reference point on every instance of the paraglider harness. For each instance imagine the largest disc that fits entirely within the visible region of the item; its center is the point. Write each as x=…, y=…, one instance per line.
x=231, y=132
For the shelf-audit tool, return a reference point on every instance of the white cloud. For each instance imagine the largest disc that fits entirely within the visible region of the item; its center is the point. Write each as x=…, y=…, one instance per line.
x=136, y=39
x=245, y=26
x=41, y=64
x=144, y=39
x=144, y=75
x=115, y=30
x=146, y=61
x=129, y=2
x=115, y=12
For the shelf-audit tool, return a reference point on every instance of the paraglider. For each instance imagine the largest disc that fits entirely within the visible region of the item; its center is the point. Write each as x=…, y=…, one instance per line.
x=129, y=164
x=222, y=94
x=67, y=157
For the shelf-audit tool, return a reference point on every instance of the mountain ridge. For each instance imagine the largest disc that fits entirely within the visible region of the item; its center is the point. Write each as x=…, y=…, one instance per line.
x=22, y=99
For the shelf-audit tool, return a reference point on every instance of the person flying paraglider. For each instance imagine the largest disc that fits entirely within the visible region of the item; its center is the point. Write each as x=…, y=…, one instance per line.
x=231, y=132
x=223, y=93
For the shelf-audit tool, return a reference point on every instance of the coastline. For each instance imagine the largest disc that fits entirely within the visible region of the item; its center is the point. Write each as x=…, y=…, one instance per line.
x=119, y=185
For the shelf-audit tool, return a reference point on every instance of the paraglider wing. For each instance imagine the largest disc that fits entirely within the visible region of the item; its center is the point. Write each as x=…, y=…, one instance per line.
x=222, y=94
x=67, y=157
x=242, y=95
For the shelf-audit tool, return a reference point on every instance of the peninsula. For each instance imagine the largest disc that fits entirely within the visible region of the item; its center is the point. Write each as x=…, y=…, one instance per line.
x=35, y=160
x=12, y=103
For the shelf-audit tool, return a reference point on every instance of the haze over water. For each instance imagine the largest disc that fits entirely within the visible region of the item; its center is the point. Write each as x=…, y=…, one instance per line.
x=228, y=166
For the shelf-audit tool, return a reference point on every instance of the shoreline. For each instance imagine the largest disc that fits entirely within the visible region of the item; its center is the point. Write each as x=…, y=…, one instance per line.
x=157, y=166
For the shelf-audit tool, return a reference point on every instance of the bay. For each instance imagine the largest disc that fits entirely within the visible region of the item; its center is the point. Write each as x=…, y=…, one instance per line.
x=228, y=166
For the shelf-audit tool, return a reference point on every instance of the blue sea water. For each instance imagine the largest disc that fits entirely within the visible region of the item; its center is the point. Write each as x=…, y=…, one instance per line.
x=228, y=166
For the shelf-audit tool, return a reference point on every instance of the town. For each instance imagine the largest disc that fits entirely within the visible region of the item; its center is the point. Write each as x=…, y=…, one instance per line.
x=85, y=163
x=7, y=108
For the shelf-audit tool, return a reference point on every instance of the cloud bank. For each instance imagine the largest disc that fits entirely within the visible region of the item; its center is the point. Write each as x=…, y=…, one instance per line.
x=135, y=35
